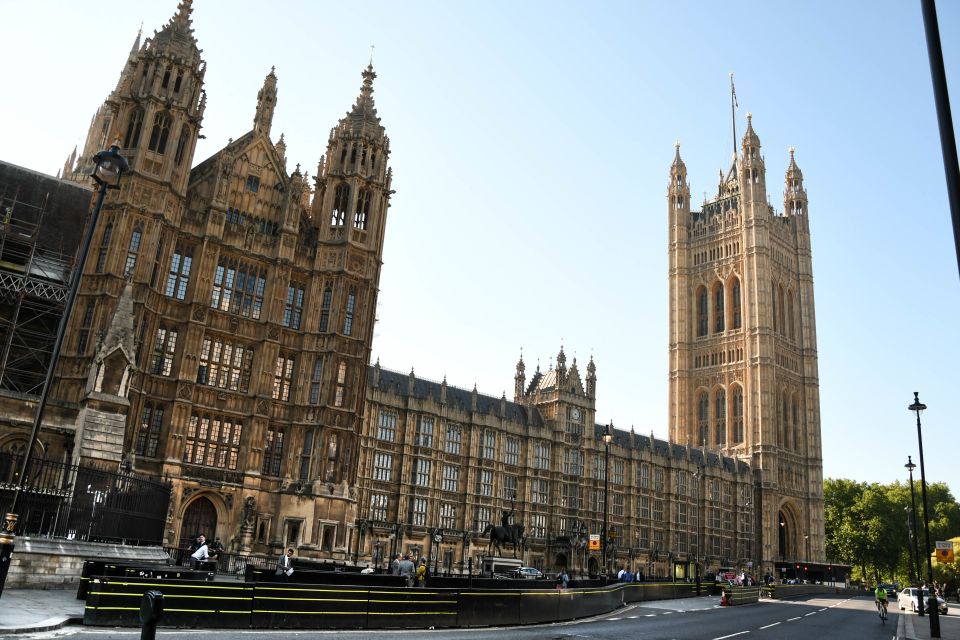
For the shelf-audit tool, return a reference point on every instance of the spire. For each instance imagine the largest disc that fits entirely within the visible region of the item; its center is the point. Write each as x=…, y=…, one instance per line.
x=177, y=35
x=794, y=195
x=364, y=112
x=183, y=17
x=266, y=102
x=136, y=43
x=678, y=164
x=561, y=365
x=750, y=137
x=591, y=378
x=519, y=379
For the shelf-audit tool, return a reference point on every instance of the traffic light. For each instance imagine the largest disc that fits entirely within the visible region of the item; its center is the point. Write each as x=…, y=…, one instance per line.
x=796, y=566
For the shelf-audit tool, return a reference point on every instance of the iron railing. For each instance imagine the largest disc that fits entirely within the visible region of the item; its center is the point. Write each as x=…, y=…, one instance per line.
x=85, y=502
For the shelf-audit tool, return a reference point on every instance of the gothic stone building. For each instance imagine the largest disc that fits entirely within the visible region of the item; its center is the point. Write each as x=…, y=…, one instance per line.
x=222, y=336
x=223, y=325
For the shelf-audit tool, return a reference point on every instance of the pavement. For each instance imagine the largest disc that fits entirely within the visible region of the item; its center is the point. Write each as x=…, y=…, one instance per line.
x=32, y=610
x=36, y=610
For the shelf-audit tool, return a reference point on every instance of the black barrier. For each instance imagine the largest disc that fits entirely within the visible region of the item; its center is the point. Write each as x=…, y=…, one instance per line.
x=412, y=607
x=327, y=577
x=481, y=608
x=307, y=606
x=741, y=595
x=110, y=601
x=146, y=571
x=113, y=602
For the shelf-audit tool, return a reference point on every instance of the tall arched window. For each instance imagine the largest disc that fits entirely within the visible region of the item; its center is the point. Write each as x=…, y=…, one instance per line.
x=785, y=423
x=790, y=314
x=363, y=209
x=159, y=133
x=341, y=202
x=720, y=417
x=703, y=419
x=325, y=308
x=718, y=308
x=773, y=302
x=348, y=313
x=702, y=311
x=737, y=414
x=104, y=248
x=133, y=250
x=315, y=380
x=149, y=435
x=737, y=321
x=182, y=144
x=783, y=326
x=797, y=427
x=132, y=139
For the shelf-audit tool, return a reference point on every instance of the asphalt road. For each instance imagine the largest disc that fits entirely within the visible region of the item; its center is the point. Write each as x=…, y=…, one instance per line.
x=822, y=618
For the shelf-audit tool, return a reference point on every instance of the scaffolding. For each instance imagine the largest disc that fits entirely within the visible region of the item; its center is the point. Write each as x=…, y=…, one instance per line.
x=33, y=288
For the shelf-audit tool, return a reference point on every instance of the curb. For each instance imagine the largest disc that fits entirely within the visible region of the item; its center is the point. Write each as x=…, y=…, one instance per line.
x=49, y=624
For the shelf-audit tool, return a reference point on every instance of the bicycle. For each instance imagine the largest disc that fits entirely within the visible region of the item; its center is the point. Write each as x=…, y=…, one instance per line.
x=882, y=610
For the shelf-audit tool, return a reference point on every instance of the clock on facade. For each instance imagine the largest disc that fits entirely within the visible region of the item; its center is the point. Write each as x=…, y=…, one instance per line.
x=575, y=414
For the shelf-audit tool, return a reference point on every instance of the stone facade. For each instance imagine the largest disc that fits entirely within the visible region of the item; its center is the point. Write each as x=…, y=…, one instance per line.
x=743, y=343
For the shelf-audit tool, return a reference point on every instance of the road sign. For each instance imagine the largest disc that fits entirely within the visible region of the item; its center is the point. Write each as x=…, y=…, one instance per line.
x=944, y=551
x=594, y=542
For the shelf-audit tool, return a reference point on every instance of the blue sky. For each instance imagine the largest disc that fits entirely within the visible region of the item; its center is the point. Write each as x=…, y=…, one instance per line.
x=531, y=144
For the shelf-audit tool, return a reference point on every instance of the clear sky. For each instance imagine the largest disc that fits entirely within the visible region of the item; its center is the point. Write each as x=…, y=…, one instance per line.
x=531, y=145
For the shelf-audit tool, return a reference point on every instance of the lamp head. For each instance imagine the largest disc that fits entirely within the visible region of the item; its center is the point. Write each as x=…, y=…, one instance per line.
x=910, y=466
x=917, y=405
x=108, y=167
x=608, y=433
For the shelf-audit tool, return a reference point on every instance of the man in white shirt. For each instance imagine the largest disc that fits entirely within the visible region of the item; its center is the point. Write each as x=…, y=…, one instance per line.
x=201, y=554
x=285, y=565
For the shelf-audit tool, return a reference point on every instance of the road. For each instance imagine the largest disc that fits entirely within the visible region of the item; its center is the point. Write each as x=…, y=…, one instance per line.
x=822, y=618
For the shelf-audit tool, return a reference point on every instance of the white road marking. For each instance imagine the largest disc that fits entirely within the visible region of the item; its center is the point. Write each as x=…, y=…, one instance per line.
x=650, y=615
x=809, y=614
x=824, y=609
x=614, y=619
x=739, y=633
x=792, y=619
x=770, y=625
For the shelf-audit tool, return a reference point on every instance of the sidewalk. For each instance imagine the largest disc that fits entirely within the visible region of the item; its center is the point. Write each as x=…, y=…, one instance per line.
x=29, y=610
x=913, y=627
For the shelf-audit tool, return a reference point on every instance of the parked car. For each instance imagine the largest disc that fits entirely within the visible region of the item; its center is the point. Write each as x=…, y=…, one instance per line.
x=891, y=589
x=530, y=573
x=908, y=600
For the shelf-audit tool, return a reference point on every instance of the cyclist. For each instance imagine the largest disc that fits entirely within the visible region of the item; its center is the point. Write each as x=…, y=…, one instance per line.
x=881, y=596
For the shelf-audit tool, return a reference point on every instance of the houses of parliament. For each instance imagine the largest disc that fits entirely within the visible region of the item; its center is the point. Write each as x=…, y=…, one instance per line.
x=221, y=339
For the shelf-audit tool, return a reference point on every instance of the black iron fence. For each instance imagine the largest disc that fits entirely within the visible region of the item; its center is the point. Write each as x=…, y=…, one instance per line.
x=85, y=502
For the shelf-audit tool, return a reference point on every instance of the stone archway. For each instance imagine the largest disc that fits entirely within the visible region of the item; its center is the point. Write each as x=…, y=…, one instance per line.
x=200, y=516
x=560, y=562
x=593, y=567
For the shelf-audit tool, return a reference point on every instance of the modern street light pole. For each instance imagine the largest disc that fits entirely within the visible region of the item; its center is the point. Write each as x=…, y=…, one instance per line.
x=607, y=439
x=109, y=166
x=918, y=407
x=913, y=540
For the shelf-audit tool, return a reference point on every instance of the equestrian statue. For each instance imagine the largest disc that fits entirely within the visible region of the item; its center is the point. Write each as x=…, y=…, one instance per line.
x=506, y=532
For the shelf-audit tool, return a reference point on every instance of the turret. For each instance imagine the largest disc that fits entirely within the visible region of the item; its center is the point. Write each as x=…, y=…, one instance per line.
x=752, y=170
x=591, y=379
x=353, y=182
x=266, y=103
x=561, y=366
x=519, y=380
x=679, y=190
x=794, y=194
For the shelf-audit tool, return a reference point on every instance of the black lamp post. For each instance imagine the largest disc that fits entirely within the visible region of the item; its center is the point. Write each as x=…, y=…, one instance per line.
x=607, y=439
x=918, y=407
x=700, y=478
x=910, y=466
x=109, y=166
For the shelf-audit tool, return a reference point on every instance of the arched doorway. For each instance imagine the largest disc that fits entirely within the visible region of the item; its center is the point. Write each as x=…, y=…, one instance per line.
x=560, y=562
x=593, y=567
x=200, y=517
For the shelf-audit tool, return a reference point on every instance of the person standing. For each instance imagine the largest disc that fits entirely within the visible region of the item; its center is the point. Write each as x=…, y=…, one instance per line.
x=407, y=569
x=395, y=566
x=285, y=566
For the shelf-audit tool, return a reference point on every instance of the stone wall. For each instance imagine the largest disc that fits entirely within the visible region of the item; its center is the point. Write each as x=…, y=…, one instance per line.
x=41, y=563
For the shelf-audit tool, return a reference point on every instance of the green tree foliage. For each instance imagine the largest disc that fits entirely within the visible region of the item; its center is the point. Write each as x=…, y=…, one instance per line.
x=869, y=527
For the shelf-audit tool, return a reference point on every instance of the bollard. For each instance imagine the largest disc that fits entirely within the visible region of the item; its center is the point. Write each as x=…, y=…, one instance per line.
x=151, y=610
x=723, y=598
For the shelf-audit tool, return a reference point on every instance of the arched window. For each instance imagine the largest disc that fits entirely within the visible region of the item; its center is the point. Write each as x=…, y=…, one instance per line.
x=363, y=209
x=702, y=311
x=325, y=308
x=737, y=320
x=797, y=427
x=341, y=202
x=703, y=419
x=737, y=414
x=133, y=250
x=149, y=435
x=178, y=83
x=348, y=315
x=720, y=417
x=159, y=133
x=718, y=308
x=783, y=326
x=134, y=125
x=773, y=302
x=315, y=380
x=785, y=423
x=166, y=79
x=104, y=248
x=790, y=314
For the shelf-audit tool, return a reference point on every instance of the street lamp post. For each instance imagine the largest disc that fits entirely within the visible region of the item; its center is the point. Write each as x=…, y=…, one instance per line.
x=108, y=168
x=910, y=466
x=607, y=438
x=699, y=477
x=918, y=407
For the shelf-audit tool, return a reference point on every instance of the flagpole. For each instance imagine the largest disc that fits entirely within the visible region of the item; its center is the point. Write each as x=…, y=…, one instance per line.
x=733, y=115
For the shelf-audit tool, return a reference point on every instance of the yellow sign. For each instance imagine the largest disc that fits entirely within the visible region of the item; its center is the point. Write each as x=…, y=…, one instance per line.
x=594, y=542
x=944, y=552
